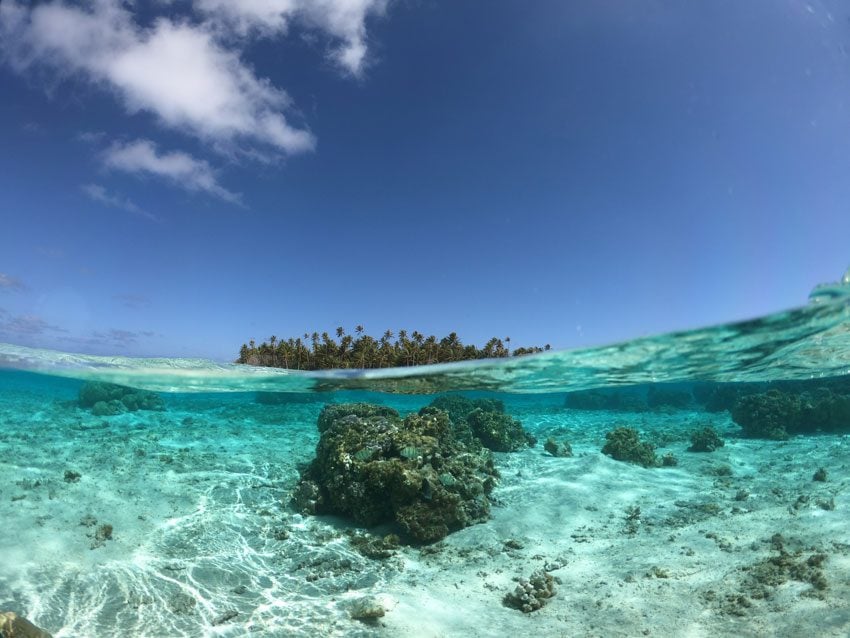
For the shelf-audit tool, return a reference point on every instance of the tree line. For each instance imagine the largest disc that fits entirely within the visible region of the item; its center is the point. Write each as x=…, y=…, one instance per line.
x=322, y=351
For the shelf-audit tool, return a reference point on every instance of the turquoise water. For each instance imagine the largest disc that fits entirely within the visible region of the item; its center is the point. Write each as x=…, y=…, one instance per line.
x=205, y=540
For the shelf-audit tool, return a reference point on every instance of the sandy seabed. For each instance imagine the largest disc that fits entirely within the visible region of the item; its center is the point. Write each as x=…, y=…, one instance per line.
x=738, y=542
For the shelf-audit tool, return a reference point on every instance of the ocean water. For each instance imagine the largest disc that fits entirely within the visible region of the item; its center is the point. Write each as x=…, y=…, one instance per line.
x=179, y=521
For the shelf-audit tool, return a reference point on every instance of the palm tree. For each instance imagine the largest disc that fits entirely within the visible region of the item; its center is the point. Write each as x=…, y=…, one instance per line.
x=367, y=352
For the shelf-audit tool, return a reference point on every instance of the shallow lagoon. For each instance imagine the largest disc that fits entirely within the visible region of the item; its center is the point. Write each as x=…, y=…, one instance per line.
x=204, y=541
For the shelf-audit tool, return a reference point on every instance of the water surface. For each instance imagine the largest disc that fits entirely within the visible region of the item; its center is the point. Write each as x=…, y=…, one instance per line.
x=204, y=540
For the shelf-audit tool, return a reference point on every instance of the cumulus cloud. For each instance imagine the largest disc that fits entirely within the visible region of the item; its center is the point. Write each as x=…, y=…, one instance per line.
x=99, y=194
x=181, y=169
x=343, y=20
x=7, y=282
x=174, y=69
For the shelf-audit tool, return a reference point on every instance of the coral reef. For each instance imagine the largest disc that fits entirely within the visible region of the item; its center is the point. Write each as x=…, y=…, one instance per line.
x=375, y=547
x=376, y=468
x=458, y=406
x=718, y=397
x=705, y=440
x=778, y=414
x=290, y=398
x=108, y=399
x=557, y=449
x=667, y=397
x=668, y=460
x=768, y=415
x=823, y=410
x=477, y=422
x=624, y=444
x=764, y=576
x=532, y=593
x=616, y=401
x=498, y=431
x=334, y=411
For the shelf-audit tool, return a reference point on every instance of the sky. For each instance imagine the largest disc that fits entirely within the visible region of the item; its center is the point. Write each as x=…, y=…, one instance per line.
x=178, y=177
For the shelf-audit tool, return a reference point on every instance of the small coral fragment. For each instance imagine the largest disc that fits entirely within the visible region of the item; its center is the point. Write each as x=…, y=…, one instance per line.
x=532, y=593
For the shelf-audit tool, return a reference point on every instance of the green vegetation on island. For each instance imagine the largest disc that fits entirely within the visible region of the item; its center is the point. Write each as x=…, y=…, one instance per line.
x=322, y=351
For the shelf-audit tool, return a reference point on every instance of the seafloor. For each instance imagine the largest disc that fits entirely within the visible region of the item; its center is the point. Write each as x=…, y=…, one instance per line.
x=738, y=542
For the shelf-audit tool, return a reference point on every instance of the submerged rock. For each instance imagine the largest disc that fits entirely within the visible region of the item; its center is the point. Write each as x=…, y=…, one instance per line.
x=375, y=467
x=557, y=449
x=227, y=616
x=108, y=399
x=14, y=626
x=624, y=444
x=366, y=608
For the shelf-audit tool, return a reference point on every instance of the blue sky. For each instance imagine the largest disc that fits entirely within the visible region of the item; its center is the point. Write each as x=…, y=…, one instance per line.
x=179, y=177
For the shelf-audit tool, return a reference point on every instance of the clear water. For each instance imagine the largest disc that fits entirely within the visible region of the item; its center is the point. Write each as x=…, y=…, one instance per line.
x=205, y=543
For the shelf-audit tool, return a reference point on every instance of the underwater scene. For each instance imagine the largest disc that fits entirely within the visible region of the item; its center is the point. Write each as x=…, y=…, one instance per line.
x=691, y=484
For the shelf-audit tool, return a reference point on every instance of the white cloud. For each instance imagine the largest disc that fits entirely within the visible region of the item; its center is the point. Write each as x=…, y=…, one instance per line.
x=99, y=194
x=176, y=70
x=26, y=326
x=263, y=17
x=142, y=157
x=131, y=300
x=90, y=137
x=343, y=20
x=7, y=282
